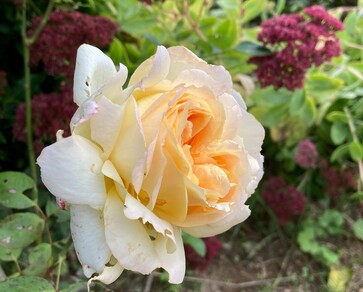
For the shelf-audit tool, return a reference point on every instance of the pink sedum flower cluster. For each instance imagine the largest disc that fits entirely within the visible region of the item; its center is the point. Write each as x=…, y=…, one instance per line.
x=283, y=199
x=337, y=181
x=174, y=150
x=64, y=32
x=299, y=41
x=306, y=155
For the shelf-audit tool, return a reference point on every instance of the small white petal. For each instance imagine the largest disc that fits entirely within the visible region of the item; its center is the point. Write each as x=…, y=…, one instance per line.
x=173, y=263
x=93, y=69
x=108, y=276
x=71, y=170
x=88, y=236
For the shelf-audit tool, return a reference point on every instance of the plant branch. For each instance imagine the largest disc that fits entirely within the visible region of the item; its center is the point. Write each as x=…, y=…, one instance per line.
x=192, y=23
x=27, y=87
x=353, y=131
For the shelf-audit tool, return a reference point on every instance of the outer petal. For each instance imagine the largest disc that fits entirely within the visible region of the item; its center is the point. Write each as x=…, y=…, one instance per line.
x=93, y=69
x=70, y=169
x=173, y=263
x=128, y=240
x=236, y=216
x=108, y=276
x=152, y=70
x=89, y=239
x=252, y=133
x=183, y=59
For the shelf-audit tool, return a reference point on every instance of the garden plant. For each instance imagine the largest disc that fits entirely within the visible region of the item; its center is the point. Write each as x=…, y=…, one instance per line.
x=190, y=145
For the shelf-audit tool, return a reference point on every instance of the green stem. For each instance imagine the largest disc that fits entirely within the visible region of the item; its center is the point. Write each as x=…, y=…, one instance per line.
x=28, y=109
x=353, y=132
x=27, y=42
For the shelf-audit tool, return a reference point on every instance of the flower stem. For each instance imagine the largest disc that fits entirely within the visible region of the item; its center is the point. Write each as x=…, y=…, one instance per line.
x=27, y=42
x=353, y=132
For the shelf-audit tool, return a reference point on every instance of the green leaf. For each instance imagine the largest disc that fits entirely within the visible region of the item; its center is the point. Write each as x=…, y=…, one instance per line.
x=338, y=133
x=253, y=49
x=358, y=229
x=296, y=102
x=337, y=116
x=196, y=243
x=77, y=287
x=251, y=9
x=117, y=51
x=20, y=229
x=274, y=116
x=356, y=150
x=40, y=259
x=8, y=255
x=26, y=284
x=231, y=8
x=339, y=153
x=280, y=6
x=322, y=87
x=225, y=35
x=331, y=221
x=12, y=186
x=308, y=111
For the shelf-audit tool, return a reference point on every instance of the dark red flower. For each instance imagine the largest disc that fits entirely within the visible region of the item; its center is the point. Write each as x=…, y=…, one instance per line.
x=50, y=112
x=306, y=155
x=283, y=199
x=299, y=41
x=64, y=32
x=213, y=246
x=337, y=181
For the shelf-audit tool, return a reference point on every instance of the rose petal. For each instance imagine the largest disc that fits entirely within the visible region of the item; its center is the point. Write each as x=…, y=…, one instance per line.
x=183, y=59
x=135, y=210
x=108, y=276
x=70, y=169
x=89, y=239
x=130, y=145
x=128, y=240
x=106, y=124
x=93, y=69
x=152, y=70
x=238, y=214
x=173, y=263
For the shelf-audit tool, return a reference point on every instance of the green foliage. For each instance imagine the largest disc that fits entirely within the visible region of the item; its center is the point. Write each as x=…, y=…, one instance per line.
x=358, y=229
x=20, y=230
x=313, y=231
x=328, y=110
x=196, y=243
x=12, y=186
x=24, y=283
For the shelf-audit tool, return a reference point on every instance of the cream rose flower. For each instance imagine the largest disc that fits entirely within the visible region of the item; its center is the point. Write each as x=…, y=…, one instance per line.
x=174, y=151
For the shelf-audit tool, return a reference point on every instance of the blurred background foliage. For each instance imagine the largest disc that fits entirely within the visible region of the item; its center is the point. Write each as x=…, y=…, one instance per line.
x=310, y=105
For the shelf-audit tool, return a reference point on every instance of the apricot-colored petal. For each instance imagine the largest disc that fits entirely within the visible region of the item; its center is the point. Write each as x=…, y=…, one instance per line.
x=130, y=145
x=238, y=214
